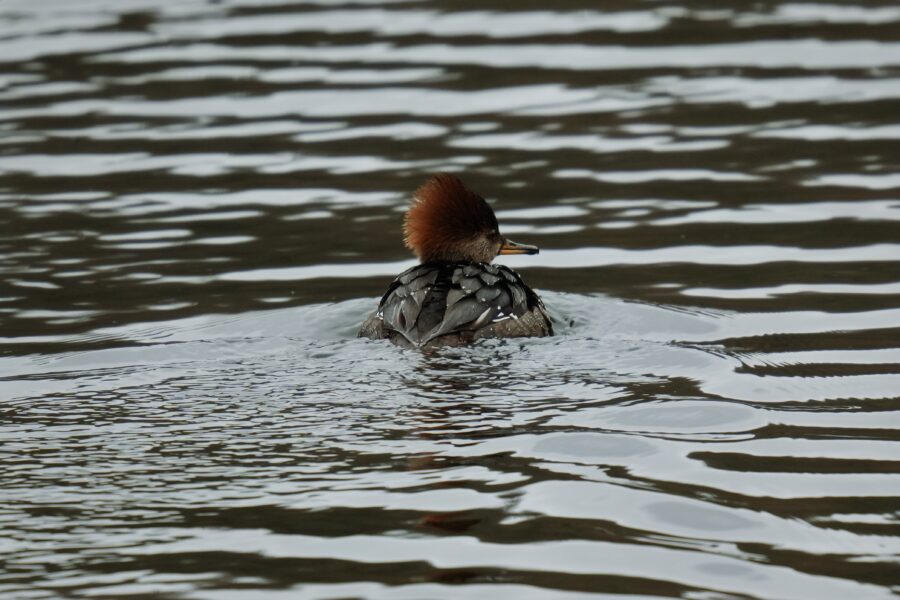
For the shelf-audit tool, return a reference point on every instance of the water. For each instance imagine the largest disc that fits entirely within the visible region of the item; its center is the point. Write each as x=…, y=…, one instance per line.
x=202, y=200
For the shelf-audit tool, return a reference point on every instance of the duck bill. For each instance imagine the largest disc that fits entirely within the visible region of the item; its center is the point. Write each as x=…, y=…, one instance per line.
x=510, y=247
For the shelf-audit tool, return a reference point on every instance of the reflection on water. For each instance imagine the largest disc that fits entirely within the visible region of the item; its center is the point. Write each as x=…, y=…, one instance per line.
x=201, y=201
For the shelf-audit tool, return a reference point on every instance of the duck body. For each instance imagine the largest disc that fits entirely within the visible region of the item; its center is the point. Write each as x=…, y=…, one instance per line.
x=455, y=296
x=454, y=304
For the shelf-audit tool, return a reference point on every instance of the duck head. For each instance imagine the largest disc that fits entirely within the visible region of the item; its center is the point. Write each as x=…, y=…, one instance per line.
x=448, y=222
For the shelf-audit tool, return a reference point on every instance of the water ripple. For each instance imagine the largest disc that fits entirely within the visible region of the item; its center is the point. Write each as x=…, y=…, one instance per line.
x=202, y=201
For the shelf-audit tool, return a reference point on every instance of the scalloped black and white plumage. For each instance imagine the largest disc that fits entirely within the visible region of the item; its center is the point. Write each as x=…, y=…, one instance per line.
x=454, y=304
x=456, y=296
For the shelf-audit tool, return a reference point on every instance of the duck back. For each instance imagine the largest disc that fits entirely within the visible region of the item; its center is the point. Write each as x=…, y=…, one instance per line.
x=441, y=304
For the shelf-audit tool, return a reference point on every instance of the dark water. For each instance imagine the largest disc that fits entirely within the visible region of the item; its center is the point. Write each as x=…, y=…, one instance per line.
x=200, y=201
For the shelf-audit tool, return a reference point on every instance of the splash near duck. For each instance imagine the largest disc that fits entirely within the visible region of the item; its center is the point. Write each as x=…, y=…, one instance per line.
x=455, y=296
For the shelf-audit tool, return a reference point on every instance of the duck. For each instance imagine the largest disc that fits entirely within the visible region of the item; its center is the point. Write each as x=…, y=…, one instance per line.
x=455, y=296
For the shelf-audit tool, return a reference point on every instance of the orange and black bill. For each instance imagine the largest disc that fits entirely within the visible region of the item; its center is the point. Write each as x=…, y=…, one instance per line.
x=510, y=247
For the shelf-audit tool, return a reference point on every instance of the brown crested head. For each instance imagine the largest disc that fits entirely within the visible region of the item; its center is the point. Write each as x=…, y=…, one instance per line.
x=448, y=222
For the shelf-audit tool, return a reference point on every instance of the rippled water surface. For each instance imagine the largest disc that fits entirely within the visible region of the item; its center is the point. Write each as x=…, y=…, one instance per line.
x=201, y=200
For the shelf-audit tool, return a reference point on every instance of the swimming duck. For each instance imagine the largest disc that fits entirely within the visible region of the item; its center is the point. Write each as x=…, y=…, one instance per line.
x=455, y=295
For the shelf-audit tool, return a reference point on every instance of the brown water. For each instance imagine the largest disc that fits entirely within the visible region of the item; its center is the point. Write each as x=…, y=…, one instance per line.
x=200, y=201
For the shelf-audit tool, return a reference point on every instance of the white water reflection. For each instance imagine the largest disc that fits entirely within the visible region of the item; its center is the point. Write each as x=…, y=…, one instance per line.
x=874, y=181
x=369, y=76
x=654, y=511
x=535, y=142
x=395, y=131
x=821, y=13
x=328, y=103
x=88, y=165
x=809, y=54
x=817, y=133
x=194, y=131
x=795, y=288
x=772, y=91
x=723, y=573
x=40, y=46
x=410, y=21
x=655, y=175
x=874, y=210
